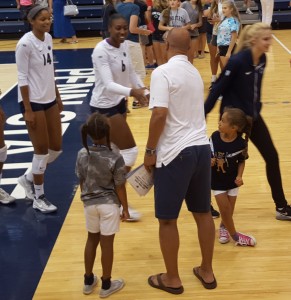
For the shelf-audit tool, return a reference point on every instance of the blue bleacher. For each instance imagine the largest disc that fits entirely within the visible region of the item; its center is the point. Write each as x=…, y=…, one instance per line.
x=88, y=19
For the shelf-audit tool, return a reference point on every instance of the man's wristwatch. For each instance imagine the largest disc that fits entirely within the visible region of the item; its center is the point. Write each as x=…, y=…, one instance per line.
x=149, y=151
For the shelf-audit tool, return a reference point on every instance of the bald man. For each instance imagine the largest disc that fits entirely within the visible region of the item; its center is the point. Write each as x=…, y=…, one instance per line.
x=178, y=150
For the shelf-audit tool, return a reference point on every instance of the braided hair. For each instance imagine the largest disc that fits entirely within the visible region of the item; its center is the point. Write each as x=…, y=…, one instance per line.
x=97, y=127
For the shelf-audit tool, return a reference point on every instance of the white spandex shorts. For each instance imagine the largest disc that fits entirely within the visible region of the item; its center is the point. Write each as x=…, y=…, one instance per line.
x=232, y=192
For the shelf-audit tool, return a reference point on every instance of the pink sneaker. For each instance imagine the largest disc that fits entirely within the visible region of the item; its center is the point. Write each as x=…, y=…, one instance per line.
x=245, y=240
x=223, y=235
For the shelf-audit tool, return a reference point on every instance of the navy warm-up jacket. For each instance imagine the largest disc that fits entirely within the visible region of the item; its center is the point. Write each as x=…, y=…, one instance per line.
x=239, y=84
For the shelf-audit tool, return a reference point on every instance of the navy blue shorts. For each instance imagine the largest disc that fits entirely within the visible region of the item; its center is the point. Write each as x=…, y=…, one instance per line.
x=187, y=177
x=209, y=37
x=120, y=108
x=37, y=106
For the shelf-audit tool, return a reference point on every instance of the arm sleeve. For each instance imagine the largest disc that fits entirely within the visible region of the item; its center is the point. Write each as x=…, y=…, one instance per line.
x=222, y=83
x=102, y=68
x=22, y=58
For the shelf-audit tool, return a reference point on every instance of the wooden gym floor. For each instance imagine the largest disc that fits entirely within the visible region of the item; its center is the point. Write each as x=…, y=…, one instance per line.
x=263, y=271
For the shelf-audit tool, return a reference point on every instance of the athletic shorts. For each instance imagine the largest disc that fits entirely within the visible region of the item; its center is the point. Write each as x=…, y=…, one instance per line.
x=150, y=43
x=214, y=40
x=231, y=192
x=209, y=37
x=187, y=177
x=120, y=108
x=37, y=106
x=203, y=28
x=158, y=38
x=103, y=218
x=223, y=50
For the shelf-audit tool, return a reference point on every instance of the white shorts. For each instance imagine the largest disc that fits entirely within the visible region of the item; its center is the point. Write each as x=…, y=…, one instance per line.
x=232, y=192
x=103, y=218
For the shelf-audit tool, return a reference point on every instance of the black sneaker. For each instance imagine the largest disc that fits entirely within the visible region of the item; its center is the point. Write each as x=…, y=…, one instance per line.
x=283, y=213
x=215, y=214
x=136, y=105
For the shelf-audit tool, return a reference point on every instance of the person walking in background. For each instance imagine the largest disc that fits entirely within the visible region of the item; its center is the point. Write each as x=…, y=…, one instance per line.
x=40, y=103
x=102, y=181
x=227, y=32
x=267, y=11
x=63, y=27
x=229, y=152
x=24, y=6
x=240, y=84
x=116, y=79
x=5, y=198
x=178, y=153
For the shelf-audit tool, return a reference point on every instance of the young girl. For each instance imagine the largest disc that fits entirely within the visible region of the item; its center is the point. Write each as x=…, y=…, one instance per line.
x=229, y=152
x=174, y=16
x=40, y=103
x=240, y=84
x=227, y=31
x=194, y=10
x=102, y=181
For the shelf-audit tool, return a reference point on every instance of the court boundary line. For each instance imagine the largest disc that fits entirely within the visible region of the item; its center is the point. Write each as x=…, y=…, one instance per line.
x=281, y=44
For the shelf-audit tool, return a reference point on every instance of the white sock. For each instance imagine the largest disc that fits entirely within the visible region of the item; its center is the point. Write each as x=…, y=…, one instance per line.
x=213, y=78
x=38, y=190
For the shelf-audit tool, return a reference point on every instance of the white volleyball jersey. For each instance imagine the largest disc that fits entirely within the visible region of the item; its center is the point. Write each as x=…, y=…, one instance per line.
x=114, y=75
x=35, y=66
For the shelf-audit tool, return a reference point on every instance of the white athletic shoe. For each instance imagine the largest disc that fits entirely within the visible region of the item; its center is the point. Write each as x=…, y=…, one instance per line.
x=5, y=198
x=28, y=187
x=88, y=288
x=43, y=205
x=134, y=215
x=116, y=285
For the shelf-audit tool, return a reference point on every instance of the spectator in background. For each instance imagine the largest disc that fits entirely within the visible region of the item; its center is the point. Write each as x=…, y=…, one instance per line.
x=131, y=13
x=267, y=11
x=158, y=41
x=24, y=6
x=45, y=3
x=107, y=10
x=62, y=24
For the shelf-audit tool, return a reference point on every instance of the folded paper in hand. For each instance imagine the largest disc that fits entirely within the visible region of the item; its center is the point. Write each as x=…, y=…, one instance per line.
x=70, y=9
x=141, y=180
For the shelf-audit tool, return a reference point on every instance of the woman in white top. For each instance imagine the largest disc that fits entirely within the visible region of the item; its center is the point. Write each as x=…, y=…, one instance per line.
x=40, y=103
x=115, y=79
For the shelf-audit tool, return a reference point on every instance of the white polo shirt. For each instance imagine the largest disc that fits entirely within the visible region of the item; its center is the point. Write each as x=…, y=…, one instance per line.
x=114, y=75
x=35, y=66
x=177, y=85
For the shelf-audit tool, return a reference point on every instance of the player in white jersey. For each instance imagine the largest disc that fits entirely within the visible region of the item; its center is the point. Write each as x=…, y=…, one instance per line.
x=116, y=79
x=40, y=103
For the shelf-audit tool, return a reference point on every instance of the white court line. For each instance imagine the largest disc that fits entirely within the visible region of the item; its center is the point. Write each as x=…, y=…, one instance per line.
x=3, y=94
x=280, y=43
